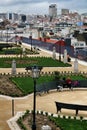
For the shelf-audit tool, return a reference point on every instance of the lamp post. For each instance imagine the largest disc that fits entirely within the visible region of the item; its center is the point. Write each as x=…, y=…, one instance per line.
x=35, y=72
x=7, y=34
x=60, y=41
x=76, y=62
x=31, y=39
x=12, y=107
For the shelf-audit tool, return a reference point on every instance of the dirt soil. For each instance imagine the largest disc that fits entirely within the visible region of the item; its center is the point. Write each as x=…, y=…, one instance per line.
x=8, y=88
x=40, y=121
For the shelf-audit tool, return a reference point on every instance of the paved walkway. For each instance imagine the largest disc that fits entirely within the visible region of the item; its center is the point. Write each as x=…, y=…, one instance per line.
x=44, y=102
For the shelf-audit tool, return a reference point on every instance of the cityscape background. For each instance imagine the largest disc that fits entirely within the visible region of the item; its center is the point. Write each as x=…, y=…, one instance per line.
x=69, y=26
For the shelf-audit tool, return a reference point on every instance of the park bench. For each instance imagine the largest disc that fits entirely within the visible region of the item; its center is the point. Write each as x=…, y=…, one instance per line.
x=81, y=84
x=75, y=107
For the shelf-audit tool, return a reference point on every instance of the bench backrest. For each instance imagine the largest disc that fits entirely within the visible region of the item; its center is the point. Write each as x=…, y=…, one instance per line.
x=71, y=106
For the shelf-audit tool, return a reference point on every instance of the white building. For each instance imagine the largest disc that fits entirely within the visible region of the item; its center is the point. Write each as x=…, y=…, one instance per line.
x=3, y=16
x=12, y=17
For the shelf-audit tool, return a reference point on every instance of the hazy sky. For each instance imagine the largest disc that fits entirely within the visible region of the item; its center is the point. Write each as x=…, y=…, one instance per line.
x=41, y=6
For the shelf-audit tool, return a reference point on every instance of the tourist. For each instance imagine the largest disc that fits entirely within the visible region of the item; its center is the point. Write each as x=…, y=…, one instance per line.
x=68, y=58
x=64, y=82
x=75, y=83
x=69, y=83
x=60, y=87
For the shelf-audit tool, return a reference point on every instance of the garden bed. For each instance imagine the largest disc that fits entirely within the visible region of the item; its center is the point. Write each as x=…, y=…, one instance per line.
x=56, y=122
x=7, y=87
x=22, y=62
x=41, y=120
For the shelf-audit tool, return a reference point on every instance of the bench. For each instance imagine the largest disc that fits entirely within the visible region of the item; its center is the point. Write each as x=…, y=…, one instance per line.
x=81, y=84
x=75, y=107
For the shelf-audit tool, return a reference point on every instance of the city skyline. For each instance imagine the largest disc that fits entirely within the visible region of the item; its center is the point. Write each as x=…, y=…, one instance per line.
x=41, y=7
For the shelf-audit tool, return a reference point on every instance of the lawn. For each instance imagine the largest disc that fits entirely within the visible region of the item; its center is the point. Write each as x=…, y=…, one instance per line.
x=30, y=61
x=26, y=83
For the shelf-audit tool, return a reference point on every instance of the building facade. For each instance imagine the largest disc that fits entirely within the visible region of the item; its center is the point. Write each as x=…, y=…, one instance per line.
x=3, y=16
x=12, y=17
x=64, y=11
x=53, y=10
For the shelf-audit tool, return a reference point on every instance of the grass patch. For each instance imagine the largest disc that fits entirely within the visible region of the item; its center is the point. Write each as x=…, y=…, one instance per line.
x=74, y=77
x=70, y=124
x=26, y=83
x=17, y=50
x=11, y=51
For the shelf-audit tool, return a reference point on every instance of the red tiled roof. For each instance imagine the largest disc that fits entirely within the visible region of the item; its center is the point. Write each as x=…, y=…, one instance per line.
x=61, y=42
x=48, y=40
x=51, y=40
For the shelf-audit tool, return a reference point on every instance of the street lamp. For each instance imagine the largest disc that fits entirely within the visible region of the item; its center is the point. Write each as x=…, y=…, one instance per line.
x=31, y=39
x=60, y=51
x=35, y=72
x=7, y=34
x=76, y=62
x=61, y=42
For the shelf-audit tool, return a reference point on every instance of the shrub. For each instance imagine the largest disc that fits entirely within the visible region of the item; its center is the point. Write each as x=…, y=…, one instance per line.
x=81, y=118
x=41, y=112
x=64, y=116
x=69, y=117
x=46, y=113
x=57, y=75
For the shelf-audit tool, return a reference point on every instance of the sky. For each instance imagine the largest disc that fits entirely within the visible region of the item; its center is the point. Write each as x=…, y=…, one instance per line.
x=41, y=6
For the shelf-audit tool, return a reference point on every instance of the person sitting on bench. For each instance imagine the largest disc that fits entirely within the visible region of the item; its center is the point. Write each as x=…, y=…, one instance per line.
x=69, y=83
x=59, y=87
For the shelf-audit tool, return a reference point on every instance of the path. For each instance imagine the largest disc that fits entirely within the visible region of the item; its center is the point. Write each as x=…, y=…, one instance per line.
x=44, y=102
